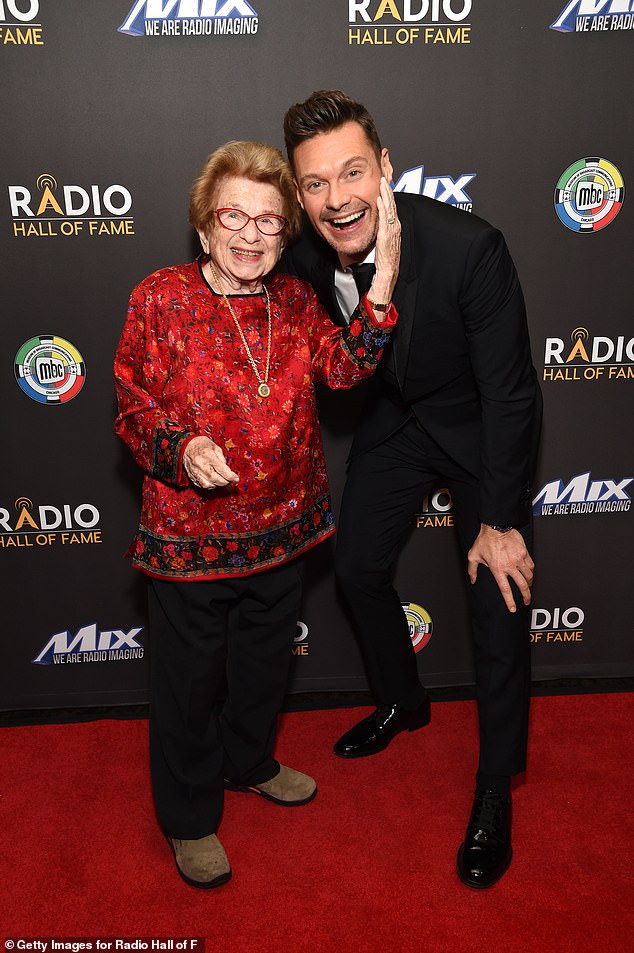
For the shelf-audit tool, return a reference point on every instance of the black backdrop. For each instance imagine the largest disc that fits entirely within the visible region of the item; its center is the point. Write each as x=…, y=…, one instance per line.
x=482, y=104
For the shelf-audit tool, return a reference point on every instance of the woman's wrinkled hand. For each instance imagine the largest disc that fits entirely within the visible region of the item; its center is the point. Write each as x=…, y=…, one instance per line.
x=206, y=464
x=388, y=247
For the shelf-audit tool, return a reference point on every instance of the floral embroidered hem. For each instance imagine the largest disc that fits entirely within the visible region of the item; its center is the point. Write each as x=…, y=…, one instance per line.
x=211, y=557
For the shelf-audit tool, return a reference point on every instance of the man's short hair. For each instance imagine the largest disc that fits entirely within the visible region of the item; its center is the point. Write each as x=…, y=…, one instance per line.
x=323, y=111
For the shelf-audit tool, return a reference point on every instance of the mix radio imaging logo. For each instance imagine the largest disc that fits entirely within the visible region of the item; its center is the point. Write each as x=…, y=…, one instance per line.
x=190, y=18
x=443, y=188
x=90, y=644
x=420, y=624
x=25, y=526
x=589, y=195
x=403, y=22
x=19, y=24
x=69, y=210
x=50, y=369
x=582, y=16
x=583, y=496
x=589, y=358
x=553, y=626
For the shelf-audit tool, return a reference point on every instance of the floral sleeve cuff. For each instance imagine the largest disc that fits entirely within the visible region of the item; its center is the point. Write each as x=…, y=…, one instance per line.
x=167, y=456
x=364, y=338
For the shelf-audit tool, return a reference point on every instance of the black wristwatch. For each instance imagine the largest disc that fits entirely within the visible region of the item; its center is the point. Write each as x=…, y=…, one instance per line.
x=500, y=529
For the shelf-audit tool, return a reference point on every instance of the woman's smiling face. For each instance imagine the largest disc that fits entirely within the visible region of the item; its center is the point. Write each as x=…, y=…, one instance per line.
x=244, y=257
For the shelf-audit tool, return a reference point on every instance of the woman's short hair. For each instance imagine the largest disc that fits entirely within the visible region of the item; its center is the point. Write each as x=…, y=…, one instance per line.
x=324, y=111
x=250, y=160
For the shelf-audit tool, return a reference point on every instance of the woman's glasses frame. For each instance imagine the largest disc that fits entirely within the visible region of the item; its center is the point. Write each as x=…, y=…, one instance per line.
x=234, y=219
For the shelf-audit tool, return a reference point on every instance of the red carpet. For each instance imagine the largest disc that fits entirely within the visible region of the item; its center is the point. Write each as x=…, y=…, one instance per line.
x=368, y=866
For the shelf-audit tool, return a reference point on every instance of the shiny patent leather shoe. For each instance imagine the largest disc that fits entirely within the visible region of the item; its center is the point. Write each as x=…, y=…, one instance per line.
x=375, y=732
x=486, y=852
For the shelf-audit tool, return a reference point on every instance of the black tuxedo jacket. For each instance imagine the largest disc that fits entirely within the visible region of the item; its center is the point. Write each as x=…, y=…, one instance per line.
x=460, y=353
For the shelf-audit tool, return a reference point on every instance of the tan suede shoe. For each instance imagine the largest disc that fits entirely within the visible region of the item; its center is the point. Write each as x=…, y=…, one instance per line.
x=202, y=862
x=288, y=787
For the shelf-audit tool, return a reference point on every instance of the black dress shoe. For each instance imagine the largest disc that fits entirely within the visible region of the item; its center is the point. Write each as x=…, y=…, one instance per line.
x=486, y=852
x=376, y=731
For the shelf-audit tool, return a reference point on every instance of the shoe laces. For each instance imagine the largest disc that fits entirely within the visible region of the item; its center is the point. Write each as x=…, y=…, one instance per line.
x=487, y=811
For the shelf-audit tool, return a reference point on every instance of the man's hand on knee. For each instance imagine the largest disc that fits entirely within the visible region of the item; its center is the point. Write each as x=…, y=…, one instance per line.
x=507, y=557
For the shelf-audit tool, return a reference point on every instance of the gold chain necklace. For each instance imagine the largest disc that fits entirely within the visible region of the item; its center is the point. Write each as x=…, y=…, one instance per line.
x=263, y=389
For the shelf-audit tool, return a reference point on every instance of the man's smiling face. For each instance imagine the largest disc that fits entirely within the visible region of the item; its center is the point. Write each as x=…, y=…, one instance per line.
x=338, y=176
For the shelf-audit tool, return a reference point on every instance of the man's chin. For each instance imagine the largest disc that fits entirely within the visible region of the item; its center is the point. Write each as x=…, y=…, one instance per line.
x=352, y=247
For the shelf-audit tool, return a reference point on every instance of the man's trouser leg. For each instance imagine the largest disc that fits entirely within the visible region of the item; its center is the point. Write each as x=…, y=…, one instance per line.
x=501, y=651
x=383, y=493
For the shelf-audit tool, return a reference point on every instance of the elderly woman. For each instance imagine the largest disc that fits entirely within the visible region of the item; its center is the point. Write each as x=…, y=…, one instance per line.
x=215, y=377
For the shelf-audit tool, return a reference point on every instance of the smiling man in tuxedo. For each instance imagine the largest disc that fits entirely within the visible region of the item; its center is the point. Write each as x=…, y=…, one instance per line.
x=455, y=397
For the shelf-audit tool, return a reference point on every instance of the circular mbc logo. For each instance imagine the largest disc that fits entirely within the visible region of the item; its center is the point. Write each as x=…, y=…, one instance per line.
x=589, y=195
x=420, y=624
x=50, y=369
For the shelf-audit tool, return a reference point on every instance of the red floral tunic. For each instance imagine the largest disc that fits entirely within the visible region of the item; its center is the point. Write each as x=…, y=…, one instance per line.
x=181, y=371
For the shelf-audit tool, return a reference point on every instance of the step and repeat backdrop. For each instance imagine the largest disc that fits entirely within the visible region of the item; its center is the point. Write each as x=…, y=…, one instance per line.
x=518, y=112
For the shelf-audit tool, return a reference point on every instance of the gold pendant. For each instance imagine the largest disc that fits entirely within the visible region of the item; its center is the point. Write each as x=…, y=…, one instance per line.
x=264, y=390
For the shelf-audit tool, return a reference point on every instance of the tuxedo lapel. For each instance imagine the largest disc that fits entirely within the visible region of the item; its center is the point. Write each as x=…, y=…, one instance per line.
x=405, y=295
x=323, y=281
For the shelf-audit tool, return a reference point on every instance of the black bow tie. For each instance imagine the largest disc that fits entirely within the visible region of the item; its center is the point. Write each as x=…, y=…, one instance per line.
x=363, y=274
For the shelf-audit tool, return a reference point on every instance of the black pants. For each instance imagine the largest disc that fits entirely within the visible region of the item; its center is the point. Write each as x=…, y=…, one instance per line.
x=384, y=490
x=199, y=631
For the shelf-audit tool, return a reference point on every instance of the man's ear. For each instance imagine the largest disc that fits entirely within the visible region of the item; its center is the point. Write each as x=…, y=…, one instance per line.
x=298, y=194
x=386, y=165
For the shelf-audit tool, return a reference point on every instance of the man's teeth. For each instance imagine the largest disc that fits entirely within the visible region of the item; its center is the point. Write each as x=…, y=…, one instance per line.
x=341, y=222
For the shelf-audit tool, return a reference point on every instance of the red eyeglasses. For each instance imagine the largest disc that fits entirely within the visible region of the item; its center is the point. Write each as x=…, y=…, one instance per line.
x=234, y=220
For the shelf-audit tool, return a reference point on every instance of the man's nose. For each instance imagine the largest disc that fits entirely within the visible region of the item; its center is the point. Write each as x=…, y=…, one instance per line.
x=338, y=196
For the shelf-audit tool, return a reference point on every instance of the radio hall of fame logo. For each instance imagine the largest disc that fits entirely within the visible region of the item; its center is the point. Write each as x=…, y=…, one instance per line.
x=20, y=23
x=300, y=640
x=404, y=22
x=557, y=626
x=436, y=511
x=583, y=16
x=589, y=195
x=586, y=357
x=49, y=369
x=583, y=496
x=49, y=210
x=190, y=18
x=420, y=624
x=27, y=526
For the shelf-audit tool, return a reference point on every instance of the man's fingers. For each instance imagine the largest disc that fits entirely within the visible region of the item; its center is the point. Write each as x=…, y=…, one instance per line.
x=472, y=569
x=523, y=581
x=504, y=586
x=505, y=589
x=524, y=585
x=528, y=571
